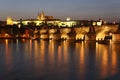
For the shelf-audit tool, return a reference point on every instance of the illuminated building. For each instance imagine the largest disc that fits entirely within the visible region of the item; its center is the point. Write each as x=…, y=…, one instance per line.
x=51, y=21
x=67, y=23
x=41, y=18
x=97, y=23
x=9, y=21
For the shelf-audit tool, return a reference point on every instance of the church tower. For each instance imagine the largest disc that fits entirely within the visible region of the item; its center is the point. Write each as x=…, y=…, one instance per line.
x=41, y=16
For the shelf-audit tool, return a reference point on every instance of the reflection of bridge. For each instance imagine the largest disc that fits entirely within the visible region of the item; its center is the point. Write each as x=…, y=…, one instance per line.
x=86, y=33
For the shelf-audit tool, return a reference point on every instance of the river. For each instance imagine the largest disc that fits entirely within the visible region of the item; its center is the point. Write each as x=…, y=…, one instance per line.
x=58, y=60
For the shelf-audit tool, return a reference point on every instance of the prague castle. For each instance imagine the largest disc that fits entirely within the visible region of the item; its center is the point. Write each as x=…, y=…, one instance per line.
x=41, y=18
x=50, y=20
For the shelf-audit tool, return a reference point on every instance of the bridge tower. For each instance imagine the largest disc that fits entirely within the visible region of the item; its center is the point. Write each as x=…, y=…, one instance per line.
x=91, y=35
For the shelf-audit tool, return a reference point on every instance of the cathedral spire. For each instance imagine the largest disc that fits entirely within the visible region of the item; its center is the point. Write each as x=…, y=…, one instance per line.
x=43, y=13
x=38, y=13
x=41, y=16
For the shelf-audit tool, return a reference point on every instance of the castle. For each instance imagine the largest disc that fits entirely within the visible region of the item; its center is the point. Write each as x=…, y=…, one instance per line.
x=50, y=20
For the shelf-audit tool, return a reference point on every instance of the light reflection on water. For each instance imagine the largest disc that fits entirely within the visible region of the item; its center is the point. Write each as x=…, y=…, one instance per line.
x=58, y=60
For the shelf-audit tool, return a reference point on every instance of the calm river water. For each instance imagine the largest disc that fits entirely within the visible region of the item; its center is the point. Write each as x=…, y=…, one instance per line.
x=58, y=60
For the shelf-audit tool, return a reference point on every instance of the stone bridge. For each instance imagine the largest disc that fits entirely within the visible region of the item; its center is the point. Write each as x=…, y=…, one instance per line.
x=80, y=33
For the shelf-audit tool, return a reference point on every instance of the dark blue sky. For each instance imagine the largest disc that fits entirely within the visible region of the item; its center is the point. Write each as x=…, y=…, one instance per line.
x=76, y=9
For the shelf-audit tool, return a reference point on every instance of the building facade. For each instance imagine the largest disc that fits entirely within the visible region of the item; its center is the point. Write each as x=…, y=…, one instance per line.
x=51, y=21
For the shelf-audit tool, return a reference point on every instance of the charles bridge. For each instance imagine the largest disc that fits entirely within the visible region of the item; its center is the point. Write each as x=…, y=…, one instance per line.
x=91, y=33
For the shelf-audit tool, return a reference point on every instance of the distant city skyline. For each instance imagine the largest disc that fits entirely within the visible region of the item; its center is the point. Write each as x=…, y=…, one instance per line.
x=108, y=10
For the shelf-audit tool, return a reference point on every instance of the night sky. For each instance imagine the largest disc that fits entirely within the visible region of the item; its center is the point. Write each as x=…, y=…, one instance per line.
x=108, y=10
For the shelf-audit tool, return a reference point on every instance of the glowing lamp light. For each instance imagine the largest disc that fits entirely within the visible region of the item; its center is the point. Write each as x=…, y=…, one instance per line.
x=68, y=19
x=114, y=22
x=94, y=23
x=6, y=35
x=99, y=23
x=110, y=34
x=24, y=35
x=105, y=22
x=19, y=26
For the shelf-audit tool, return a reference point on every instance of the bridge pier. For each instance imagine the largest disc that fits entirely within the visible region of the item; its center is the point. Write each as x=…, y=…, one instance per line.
x=91, y=35
x=44, y=36
x=54, y=36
